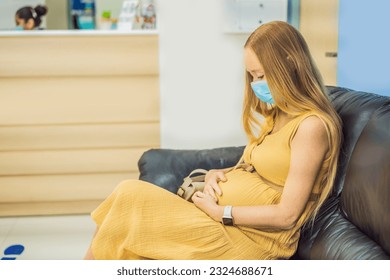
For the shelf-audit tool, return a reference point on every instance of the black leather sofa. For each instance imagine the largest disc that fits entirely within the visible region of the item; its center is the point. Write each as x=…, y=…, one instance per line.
x=354, y=223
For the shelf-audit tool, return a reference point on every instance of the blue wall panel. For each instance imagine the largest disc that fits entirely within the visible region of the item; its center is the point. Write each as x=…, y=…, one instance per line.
x=364, y=45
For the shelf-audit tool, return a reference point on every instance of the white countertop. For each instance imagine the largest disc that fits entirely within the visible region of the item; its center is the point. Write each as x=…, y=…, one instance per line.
x=76, y=33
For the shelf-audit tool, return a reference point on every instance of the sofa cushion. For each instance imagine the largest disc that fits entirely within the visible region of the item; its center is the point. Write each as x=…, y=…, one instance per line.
x=339, y=239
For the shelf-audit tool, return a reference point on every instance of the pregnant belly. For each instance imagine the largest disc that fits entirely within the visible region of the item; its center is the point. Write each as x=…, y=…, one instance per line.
x=245, y=189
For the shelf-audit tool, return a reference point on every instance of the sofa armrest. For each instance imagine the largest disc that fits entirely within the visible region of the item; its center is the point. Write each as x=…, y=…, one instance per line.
x=167, y=167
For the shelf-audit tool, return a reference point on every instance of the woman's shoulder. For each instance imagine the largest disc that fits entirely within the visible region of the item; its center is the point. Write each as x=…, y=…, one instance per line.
x=311, y=129
x=312, y=122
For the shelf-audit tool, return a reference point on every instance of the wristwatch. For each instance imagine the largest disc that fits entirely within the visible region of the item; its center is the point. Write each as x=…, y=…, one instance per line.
x=227, y=218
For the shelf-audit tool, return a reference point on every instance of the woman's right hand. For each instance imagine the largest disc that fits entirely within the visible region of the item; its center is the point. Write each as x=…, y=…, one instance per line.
x=212, y=178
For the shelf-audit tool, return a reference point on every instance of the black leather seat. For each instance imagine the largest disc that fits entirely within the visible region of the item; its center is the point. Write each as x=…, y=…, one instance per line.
x=354, y=223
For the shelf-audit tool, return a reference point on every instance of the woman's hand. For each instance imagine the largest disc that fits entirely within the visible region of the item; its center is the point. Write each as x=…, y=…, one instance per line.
x=207, y=204
x=211, y=187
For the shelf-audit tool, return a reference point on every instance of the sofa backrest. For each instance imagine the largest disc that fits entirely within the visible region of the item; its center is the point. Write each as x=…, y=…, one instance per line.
x=365, y=199
x=355, y=222
x=167, y=167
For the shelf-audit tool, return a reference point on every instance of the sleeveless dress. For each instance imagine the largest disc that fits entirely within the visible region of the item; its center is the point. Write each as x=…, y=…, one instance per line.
x=139, y=220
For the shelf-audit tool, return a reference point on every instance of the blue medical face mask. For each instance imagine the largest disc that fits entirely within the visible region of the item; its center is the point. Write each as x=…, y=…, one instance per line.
x=19, y=27
x=262, y=92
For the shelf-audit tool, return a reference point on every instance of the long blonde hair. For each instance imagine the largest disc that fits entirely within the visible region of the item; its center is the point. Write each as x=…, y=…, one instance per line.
x=293, y=75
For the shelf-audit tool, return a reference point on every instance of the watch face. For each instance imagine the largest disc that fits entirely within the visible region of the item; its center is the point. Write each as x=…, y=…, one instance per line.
x=227, y=221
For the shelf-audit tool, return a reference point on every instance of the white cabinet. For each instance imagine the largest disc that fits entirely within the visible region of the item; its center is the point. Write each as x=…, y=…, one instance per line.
x=244, y=16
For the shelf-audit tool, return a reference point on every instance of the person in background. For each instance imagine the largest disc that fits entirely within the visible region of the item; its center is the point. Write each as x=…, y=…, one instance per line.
x=29, y=18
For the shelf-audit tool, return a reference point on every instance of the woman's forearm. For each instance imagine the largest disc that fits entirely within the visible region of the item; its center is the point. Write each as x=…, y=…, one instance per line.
x=263, y=217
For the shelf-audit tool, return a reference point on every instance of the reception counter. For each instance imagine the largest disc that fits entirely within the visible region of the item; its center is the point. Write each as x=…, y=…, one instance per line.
x=78, y=108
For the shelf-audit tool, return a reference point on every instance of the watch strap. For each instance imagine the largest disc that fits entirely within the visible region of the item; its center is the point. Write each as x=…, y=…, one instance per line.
x=227, y=218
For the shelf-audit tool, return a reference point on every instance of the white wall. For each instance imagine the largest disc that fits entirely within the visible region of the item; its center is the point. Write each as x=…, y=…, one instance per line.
x=202, y=76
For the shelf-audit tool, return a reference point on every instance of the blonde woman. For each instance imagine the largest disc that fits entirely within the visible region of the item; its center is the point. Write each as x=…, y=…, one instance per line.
x=254, y=213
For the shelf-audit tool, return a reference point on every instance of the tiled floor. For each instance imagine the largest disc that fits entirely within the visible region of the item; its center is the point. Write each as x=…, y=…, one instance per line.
x=46, y=237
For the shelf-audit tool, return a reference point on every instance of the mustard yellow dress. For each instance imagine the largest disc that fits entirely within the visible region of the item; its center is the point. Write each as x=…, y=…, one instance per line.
x=142, y=221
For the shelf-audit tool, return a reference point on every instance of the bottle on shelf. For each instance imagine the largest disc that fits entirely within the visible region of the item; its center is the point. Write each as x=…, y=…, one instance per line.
x=128, y=14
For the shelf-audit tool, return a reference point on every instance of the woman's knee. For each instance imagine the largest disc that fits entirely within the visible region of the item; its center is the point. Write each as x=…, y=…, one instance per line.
x=131, y=187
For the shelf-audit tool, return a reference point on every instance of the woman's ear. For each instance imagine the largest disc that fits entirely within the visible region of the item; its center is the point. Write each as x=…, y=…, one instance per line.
x=30, y=24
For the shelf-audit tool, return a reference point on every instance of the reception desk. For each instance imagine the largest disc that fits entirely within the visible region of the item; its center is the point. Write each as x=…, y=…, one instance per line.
x=78, y=108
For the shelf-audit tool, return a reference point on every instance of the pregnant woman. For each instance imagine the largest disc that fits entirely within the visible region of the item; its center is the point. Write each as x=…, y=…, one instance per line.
x=257, y=213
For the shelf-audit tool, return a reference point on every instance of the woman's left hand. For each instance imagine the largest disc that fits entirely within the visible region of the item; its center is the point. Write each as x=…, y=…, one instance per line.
x=207, y=204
